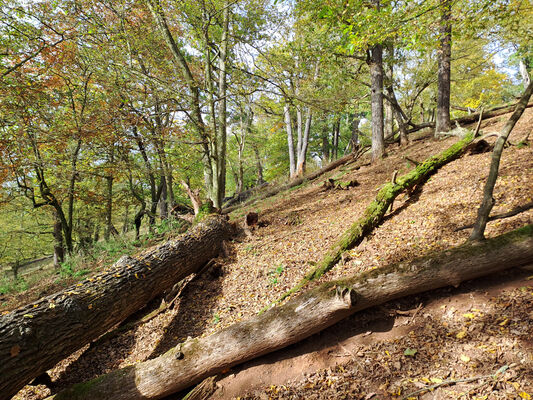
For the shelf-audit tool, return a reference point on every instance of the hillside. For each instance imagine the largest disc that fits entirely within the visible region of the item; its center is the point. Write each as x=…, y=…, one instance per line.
x=467, y=332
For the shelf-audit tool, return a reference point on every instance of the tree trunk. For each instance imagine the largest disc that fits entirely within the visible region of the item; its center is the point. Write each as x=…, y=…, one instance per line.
x=377, y=209
x=325, y=145
x=376, y=98
x=354, y=140
x=222, y=123
x=35, y=337
x=196, y=359
x=472, y=118
x=303, y=144
x=59, y=247
x=109, y=207
x=444, y=59
x=335, y=138
x=260, y=179
x=523, y=68
x=290, y=139
x=488, y=200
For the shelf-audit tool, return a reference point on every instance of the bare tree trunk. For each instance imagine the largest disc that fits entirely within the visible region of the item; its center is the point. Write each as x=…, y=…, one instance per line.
x=488, y=200
x=59, y=247
x=194, y=360
x=35, y=337
x=325, y=145
x=376, y=76
x=260, y=179
x=335, y=138
x=290, y=139
x=444, y=58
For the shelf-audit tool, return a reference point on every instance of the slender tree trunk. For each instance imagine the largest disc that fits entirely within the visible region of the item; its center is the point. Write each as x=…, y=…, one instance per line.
x=125, y=225
x=302, y=152
x=259, y=166
x=222, y=123
x=290, y=139
x=196, y=359
x=354, y=141
x=325, y=145
x=163, y=199
x=335, y=138
x=478, y=233
x=444, y=60
x=376, y=77
x=109, y=198
x=59, y=248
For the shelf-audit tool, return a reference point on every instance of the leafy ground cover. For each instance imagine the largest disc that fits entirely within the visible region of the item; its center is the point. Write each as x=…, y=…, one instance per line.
x=438, y=341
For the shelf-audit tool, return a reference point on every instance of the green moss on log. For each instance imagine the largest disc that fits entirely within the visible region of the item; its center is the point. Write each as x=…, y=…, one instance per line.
x=376, y=210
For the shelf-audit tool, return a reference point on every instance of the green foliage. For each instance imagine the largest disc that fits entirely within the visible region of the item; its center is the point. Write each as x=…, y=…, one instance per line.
x=9, y=285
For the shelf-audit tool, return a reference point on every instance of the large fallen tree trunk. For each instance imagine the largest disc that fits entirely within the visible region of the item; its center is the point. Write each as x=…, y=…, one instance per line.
x=376, y=210
x=35, y=337
x=196, y=359
x=471, y=118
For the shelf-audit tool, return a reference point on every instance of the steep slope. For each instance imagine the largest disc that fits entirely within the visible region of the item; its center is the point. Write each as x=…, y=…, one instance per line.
x=300, y=226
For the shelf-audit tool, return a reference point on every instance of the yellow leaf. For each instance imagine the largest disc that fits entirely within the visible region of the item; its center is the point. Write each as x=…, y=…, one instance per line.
x=469, y=315
x=436, y=380
x=461, y=335
x=35, y=305
x=28, y=315
x=425, y=380
x=465, y=358
x=524, y=395
x=504, y=322
x=51, y=305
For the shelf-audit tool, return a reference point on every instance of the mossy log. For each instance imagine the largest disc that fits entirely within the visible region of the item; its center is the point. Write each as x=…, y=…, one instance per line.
x=375, y=212
x=35, y=337
x=313, y=311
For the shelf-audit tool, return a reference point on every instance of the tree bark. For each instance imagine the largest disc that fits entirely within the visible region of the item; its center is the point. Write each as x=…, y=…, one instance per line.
x=290, y=139
x=35, y=337
x=488, y=200
x=443, y=123
x=196, y=359
x=376, y=98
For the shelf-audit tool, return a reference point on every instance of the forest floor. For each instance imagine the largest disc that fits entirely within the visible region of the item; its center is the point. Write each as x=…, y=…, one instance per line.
x=480, y=332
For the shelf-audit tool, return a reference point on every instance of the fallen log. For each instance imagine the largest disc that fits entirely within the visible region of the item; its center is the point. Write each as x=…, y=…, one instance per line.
x=35, y=337
x=298, y=181
x=194, y=360
x=512, y=213
x=471, y=118
x=377, y=209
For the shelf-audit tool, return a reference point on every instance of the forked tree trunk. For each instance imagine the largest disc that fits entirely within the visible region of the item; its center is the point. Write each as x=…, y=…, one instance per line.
x=196, y=359
x=35, y=337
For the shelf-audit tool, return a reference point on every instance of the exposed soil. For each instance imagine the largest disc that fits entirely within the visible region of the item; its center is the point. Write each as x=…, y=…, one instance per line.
x=468, y=332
